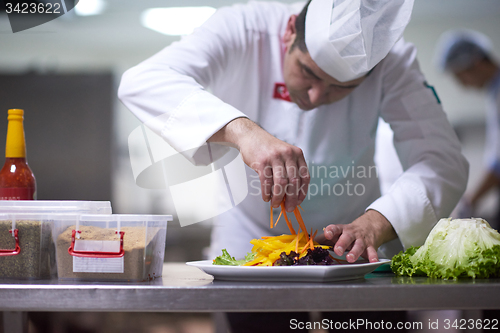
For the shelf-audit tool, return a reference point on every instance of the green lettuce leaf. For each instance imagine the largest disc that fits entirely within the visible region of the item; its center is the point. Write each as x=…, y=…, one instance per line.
x=226, y=259
x=454, y=249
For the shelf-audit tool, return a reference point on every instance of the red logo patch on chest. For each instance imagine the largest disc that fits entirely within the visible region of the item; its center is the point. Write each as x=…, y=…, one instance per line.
x=281, y=92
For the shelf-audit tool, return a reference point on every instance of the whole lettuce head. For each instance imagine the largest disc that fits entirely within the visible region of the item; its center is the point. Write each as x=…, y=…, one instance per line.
x=454, y=249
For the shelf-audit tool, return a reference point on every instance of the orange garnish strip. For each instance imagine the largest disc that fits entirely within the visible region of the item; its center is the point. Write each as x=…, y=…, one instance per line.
x=310, y=243
x=288, y=223
x=272, y=224
x=304, y=248
x=281, y=213
x=296, y=212
x=312, y=239
x=271, y=206
x=297, y=244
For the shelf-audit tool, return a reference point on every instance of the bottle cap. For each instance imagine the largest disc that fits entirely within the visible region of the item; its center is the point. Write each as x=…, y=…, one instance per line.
x=15, y=145
x=15, y=114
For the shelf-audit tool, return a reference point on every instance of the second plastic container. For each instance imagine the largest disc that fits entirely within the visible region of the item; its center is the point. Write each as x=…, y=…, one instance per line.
x=110, y=247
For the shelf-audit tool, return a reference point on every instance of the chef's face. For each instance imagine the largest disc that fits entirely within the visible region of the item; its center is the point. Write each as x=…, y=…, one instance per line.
x=478, y=75
x=470, y=78
x=308, y=85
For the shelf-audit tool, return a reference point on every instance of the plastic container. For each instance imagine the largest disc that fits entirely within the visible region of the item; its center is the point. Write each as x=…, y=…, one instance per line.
x=55, y=206
x=27, y=250
x=26, y=247
x=110, y=247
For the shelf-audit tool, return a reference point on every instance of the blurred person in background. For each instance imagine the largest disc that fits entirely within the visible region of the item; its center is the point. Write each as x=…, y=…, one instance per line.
x=467, y=55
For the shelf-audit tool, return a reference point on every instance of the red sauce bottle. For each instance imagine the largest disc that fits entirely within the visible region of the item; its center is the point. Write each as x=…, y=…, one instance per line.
x=17, y=181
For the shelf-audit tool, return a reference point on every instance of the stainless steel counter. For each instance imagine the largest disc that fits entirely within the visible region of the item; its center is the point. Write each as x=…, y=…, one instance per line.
x=187, y=289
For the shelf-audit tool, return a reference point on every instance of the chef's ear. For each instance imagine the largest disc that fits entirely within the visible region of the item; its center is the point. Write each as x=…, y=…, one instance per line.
x=290, y=32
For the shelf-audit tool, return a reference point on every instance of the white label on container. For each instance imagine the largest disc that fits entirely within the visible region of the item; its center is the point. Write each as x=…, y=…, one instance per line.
x=97, y=246
x=97, y=265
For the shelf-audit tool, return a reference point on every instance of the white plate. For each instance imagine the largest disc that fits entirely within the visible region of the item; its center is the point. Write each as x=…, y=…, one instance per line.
x=288, y=273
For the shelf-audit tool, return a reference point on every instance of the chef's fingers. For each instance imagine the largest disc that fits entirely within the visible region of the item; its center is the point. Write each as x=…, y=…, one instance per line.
x=296, y=170
x=357, y=249
x=292, y=188
x=344, y=242
x=305, y=178
x=371, y=254
x=330, y=235
x=266, y=181
x=280, y=181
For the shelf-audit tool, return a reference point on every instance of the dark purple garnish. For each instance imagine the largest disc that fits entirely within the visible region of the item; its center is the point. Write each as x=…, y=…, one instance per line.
x=318, y=256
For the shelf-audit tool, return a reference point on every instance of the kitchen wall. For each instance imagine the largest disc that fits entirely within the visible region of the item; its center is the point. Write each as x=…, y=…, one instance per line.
x=66, y=122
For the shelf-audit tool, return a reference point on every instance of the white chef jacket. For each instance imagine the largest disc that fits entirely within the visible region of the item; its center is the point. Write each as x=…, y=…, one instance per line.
x=228, y=68
x=492, y=146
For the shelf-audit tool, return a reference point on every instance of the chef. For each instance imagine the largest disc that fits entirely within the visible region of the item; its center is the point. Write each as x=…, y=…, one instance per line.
x=299, y=91
x=467, y=55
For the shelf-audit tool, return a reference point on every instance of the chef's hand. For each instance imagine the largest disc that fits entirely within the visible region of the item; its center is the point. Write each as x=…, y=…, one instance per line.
x=281, y=167
x=362, y=237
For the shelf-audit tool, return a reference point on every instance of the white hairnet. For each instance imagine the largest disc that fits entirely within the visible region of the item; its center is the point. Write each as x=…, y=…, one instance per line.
x=460, y=49
x=347, y=38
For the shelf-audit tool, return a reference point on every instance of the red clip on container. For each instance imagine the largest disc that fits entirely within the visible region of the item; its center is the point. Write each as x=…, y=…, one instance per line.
x=110, y=247
x=9, y=246
x=14, y=251
x=91, y=253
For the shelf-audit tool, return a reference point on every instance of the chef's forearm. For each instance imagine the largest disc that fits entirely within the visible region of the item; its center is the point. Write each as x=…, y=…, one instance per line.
x=490, y=181
x=234, y=132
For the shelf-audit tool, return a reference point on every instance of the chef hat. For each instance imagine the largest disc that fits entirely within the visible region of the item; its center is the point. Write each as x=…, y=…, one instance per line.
x=347, y=38
x=460, y=49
